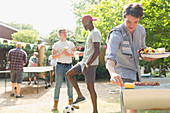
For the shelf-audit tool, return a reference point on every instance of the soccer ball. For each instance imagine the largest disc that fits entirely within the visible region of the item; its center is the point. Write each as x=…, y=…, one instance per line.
x=68, y=109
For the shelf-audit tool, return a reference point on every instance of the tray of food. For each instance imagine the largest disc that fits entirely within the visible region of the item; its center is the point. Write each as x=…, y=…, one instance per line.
x=153, y=53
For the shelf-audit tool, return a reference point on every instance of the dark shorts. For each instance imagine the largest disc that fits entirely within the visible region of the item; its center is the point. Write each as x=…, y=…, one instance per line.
x=90, y=74
x=127, y=80
x=30, y=74
x=16, y=76
x=130, y=80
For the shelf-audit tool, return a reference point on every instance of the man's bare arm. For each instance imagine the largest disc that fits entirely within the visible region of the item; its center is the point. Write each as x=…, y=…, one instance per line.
x=70, y=54
x=148, y=59
x=115, y=78
x=95, y=54
x=55, y=54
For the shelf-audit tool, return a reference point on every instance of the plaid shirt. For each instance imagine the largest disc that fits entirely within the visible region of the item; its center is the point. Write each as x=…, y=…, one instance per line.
x=17, y=57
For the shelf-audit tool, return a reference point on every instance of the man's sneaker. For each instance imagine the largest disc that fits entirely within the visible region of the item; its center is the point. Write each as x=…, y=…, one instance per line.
x=12, y=94
x=20, y=96
x=35, y=83
x=79, y=100
x=29, y=82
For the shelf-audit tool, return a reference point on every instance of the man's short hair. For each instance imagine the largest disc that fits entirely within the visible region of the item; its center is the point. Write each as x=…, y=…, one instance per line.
x=60, y=30
x=134, y=9
x=19, y=44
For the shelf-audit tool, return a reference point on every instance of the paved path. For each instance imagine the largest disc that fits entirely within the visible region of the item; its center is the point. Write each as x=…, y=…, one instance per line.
x=43, y=101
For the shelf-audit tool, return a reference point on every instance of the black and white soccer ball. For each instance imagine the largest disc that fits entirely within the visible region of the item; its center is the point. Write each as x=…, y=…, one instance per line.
x=68, y=109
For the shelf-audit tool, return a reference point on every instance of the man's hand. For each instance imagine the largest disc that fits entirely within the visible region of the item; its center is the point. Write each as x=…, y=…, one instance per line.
x=81, y=53
x=86, y=67
x=116, y=79
x=147, y=59
x=65, y=51
x=54, y=52
x=69, y=54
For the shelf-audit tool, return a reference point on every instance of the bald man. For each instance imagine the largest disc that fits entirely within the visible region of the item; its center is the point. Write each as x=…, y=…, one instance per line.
x=17, y=58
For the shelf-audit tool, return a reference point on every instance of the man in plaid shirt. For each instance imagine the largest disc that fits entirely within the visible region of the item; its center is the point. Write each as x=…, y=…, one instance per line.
x=17, y=58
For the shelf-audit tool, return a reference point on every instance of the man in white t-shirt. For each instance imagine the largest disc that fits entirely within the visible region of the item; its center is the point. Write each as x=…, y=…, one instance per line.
x=89, y=62
x=63, y=51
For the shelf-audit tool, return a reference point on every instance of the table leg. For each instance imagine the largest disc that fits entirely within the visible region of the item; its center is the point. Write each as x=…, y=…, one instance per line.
x=38, y=82
x=5, y=82
x=162, y=69
x=121, y=101
x=51, y=77
x=46, y=81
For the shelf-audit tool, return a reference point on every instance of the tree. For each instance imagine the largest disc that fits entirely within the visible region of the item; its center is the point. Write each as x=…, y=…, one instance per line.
x=54, y=37
x=22, y=26
x=27, y=36
x=26, y=33
x=79, y=7
x=109, y=14
x=156, y=20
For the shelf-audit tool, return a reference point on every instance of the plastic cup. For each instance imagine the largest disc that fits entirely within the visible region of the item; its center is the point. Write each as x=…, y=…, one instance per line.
x=76, y=54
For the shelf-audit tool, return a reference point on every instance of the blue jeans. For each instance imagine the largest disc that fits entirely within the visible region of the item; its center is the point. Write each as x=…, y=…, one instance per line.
x=60, y=74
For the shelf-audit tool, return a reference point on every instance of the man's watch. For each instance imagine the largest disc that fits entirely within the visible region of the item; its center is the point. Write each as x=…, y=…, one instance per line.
x=87, y=66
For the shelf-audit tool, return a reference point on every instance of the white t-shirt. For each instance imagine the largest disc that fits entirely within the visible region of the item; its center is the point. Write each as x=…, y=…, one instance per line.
x=94, y=36
x=59, y=46
x=52, y=61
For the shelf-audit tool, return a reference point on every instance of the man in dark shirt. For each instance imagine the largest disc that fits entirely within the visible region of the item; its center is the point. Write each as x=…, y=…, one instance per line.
x=17, y=58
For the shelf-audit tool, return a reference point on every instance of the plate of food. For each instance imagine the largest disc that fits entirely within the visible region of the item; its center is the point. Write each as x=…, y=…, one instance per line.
x=153, y=53
x=158, y=55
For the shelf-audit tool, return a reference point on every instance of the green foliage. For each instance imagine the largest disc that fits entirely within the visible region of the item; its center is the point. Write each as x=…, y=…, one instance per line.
x=109, y=14
x=22, y=26
x=54, y=37
x=156, y=22
x=79, y=7
x=27, y=36
x=102, y=72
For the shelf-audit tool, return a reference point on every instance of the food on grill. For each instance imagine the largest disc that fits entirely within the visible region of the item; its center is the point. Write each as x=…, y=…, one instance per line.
x=146, y=83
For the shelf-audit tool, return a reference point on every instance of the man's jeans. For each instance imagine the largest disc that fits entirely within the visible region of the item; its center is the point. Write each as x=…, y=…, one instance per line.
x=60, y=74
